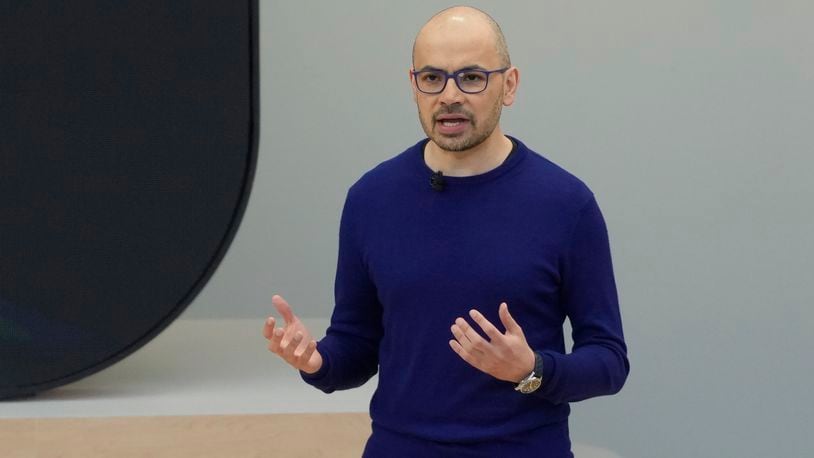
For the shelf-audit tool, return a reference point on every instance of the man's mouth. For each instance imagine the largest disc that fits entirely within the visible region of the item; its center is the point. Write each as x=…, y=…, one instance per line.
x=451, y=118
x=450, y=121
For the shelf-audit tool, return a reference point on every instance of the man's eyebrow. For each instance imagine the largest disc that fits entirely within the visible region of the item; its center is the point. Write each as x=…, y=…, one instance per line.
x=469, y=67
x=428, y=68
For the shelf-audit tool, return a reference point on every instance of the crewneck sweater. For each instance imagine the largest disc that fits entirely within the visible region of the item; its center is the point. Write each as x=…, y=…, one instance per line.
x=412, y=259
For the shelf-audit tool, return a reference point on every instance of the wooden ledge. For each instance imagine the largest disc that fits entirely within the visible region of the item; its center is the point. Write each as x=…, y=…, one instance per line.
x=233, y=436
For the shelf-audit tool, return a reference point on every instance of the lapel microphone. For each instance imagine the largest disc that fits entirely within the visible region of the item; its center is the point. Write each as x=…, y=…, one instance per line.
x=437, y=181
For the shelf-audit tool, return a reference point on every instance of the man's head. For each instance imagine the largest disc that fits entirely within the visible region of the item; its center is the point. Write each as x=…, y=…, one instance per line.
x=455, y=39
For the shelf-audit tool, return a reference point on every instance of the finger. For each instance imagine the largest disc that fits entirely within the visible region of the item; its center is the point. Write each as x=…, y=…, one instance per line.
x=465, y=355
x=488, y=328
x=276, y=338
x=268, y=328
x=302, y=357
x=464, y=341
x=478, y=342
x=282, y=306
x=288, y=334
x=312, y=360
x=288, y=350
x=460, y=336
x=304, y=341
x=507, y=320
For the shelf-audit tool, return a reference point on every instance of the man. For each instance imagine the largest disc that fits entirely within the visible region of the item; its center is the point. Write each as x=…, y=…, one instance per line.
x=459, y=260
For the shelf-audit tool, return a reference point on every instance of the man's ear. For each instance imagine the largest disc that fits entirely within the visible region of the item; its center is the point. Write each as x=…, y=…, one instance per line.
x=510, y=83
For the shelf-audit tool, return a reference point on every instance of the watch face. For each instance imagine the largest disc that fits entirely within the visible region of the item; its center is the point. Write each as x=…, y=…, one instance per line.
x=531, y=386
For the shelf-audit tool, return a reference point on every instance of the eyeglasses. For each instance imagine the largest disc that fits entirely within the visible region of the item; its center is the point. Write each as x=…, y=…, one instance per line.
x=468, y=81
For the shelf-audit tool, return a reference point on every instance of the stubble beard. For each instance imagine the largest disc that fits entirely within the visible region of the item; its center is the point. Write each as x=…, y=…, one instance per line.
x=462, y=142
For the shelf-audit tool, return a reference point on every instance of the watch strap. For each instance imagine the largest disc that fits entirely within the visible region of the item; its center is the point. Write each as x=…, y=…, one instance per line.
x=538, y=364
x=532, y=381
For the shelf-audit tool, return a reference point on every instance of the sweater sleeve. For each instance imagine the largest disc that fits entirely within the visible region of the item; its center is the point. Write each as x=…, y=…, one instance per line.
x=598, y=364
x=350, y=348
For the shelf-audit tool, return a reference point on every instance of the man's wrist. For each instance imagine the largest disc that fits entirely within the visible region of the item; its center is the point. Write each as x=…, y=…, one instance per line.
x=534, y=379
x=530, y=364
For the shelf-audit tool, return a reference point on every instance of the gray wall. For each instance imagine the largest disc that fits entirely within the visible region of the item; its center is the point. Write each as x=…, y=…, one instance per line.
x=692, y=122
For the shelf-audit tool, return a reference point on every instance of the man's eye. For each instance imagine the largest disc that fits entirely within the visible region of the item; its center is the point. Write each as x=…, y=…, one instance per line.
x=430, y=77
x=472, y=77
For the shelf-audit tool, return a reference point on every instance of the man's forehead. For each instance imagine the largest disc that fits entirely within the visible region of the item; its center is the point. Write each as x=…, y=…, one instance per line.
x=456, y=40
x=456, y=55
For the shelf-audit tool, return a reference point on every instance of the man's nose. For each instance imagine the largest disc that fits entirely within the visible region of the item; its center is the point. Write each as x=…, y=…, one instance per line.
x=451, y=93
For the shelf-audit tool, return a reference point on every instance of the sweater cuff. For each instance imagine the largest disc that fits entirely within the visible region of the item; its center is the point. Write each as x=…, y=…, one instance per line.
x=548, y=368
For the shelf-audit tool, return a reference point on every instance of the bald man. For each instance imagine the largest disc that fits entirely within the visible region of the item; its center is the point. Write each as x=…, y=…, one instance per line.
x=459, y=260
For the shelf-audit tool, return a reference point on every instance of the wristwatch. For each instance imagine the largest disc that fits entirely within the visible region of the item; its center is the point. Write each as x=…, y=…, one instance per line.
x=533, y=380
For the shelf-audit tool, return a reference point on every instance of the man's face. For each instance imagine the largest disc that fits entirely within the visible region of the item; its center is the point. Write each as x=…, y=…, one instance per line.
x=455, y=120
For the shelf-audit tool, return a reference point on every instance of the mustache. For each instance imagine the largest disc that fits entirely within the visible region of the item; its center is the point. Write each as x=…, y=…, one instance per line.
x=453, y=109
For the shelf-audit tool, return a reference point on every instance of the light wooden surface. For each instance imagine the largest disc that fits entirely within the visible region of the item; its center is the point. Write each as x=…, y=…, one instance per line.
x=309, y=435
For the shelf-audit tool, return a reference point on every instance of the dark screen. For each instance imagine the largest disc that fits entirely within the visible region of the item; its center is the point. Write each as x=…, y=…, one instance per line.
x=127, y=148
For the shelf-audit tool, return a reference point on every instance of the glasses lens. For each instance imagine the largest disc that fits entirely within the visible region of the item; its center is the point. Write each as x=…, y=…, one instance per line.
x=431, y=81
x=472, y=80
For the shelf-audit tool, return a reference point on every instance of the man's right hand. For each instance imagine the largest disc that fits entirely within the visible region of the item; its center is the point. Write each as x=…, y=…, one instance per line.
x=292, y=342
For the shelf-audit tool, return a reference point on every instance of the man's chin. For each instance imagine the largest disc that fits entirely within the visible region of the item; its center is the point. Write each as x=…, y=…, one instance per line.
x=455, y=144
x=451, y=142
x=453, y=147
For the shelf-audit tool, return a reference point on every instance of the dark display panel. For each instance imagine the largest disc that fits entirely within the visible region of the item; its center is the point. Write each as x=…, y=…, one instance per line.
x=128, y=141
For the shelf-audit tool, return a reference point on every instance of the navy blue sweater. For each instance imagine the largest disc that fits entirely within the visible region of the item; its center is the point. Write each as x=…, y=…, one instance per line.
x=412, y=259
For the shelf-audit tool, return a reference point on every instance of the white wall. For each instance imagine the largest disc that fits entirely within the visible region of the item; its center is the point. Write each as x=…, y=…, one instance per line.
x=692, y=122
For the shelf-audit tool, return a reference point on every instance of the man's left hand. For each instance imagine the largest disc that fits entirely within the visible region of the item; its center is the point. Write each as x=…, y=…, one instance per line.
x=505, y=356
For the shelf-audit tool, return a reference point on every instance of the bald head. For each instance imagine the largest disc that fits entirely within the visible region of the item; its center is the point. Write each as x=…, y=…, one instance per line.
x=469, y=17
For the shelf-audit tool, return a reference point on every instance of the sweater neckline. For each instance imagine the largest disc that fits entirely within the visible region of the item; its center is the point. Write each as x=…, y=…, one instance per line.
x=515, y=157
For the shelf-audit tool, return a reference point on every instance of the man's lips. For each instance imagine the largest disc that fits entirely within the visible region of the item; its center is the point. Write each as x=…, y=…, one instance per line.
x=451, y=124
x=451, y=118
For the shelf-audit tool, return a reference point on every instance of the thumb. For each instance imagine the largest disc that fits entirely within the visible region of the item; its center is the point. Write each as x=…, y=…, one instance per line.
x=283, y=308
x=507, y=320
